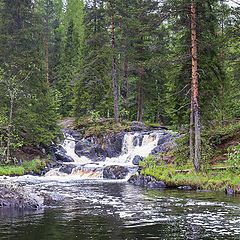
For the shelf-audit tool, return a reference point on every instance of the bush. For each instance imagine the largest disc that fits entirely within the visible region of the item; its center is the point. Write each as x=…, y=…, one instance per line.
x=34, y=166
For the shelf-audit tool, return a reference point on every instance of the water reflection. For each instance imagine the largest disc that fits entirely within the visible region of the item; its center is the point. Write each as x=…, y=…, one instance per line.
x=101, y=210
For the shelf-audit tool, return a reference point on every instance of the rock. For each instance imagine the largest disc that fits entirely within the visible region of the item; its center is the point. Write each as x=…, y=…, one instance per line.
x=165, y=144
x=60, y=156
x=138, y=126
x=76, y=135
x=114, y=147
x=90, y=150
x=111, y=146
x=164, y=138
x=187, y=188
x=156, y=184
x=115, y=172
x=67, y=168
x=137, y=159
x=137, y=140
x=55, y=173
x=146, y=181
x=229, y=191
x=53, y=198
x=13, y=195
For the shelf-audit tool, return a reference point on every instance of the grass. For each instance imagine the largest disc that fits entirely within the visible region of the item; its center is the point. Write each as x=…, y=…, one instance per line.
x=101, y=126
x=34, y=166
x=208, y=179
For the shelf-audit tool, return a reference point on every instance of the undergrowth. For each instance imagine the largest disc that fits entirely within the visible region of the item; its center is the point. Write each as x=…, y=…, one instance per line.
x=100, y=126
x=34, y=166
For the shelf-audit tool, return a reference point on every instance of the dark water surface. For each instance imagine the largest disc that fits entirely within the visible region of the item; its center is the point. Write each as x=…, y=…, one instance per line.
x=105, y=210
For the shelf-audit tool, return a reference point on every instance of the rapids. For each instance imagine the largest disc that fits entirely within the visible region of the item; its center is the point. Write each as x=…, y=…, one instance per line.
x=134, y=145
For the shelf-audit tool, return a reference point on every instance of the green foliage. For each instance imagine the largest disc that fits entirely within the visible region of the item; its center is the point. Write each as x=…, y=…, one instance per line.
x=181, y=152
x=34, y=166
x=234, y=156
x=99, y=127
x=173, y=176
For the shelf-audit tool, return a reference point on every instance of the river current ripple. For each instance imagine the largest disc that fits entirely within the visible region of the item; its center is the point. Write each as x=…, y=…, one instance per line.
x=117, y=210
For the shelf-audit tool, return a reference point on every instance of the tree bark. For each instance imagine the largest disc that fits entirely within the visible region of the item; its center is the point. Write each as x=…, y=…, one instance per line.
x=46, y=44
x=194, y=88
x=114, y=74
x=140, y=95
x=125, y=84
x=191, y=133
x=8, y=150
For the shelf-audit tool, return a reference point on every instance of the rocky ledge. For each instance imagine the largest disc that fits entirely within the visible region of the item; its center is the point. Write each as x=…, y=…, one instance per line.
x=15, y=196
x=146, y=181
x=12, y=195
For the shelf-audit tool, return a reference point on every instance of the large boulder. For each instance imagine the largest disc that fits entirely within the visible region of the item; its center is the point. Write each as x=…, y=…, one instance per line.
x=136, y=160
x=138, y=126
x=115, y=172
x=165, y=143
x=59, y=154
x=114, y=145
x=90, y=150
x=138, y=140
x=66, y=168
x=146, y=181
x=76, y=135
x=13, y=195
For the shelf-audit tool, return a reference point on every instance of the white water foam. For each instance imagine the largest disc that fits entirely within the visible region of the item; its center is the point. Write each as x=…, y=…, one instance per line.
x=134, y=144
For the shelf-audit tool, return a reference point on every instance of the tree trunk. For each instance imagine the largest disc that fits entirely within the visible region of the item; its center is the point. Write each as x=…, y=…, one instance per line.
x=114, y=74
x=140, y=95
x=8, y=150
x=194, y=87
x=46, y=44
x=125, y=85
x=191, y=133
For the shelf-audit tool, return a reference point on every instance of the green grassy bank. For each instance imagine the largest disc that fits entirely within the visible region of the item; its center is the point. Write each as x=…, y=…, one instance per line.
x=33, y=166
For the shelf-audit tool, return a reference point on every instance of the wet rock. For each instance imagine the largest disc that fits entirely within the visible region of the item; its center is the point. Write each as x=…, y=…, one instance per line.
x=90, y=150
x=156, y=184
x=138, y=126
x=67, y=168
x=53, y=198
x=76, y=135
x=60, y=156
x=114, y=147
x=187, y=188
x=229, y=191
x=115, y=172
x=137, y=159
x=146, y=181
x=13, y=195
x=137, y=140
x=165, y=144
x=164, y=138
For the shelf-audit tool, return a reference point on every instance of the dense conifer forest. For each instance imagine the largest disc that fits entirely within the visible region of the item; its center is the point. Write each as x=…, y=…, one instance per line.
x=174, y=63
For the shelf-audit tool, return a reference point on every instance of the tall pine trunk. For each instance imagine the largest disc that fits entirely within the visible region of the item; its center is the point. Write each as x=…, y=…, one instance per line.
x=46, y=43
x=191, y=133
x=125, y=84
x=9, y=128
x=114, y=74
x=140, y=95
x=195, y=92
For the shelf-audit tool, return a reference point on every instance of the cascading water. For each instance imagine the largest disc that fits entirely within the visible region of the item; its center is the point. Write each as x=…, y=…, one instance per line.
x=134, y=147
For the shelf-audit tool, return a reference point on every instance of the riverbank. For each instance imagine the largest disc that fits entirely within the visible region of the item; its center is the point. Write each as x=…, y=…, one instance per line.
x=217, y=180
x=35, y=166
x=219, y=165
x=221, y=177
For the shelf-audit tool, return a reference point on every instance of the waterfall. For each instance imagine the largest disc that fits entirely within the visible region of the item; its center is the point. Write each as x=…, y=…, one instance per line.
x=134, y=144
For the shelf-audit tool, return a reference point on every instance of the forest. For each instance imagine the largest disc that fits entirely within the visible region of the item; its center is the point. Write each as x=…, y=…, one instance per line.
x=174, y=63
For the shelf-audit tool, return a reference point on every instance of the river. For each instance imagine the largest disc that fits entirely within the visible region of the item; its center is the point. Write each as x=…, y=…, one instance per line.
x=104, y=210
